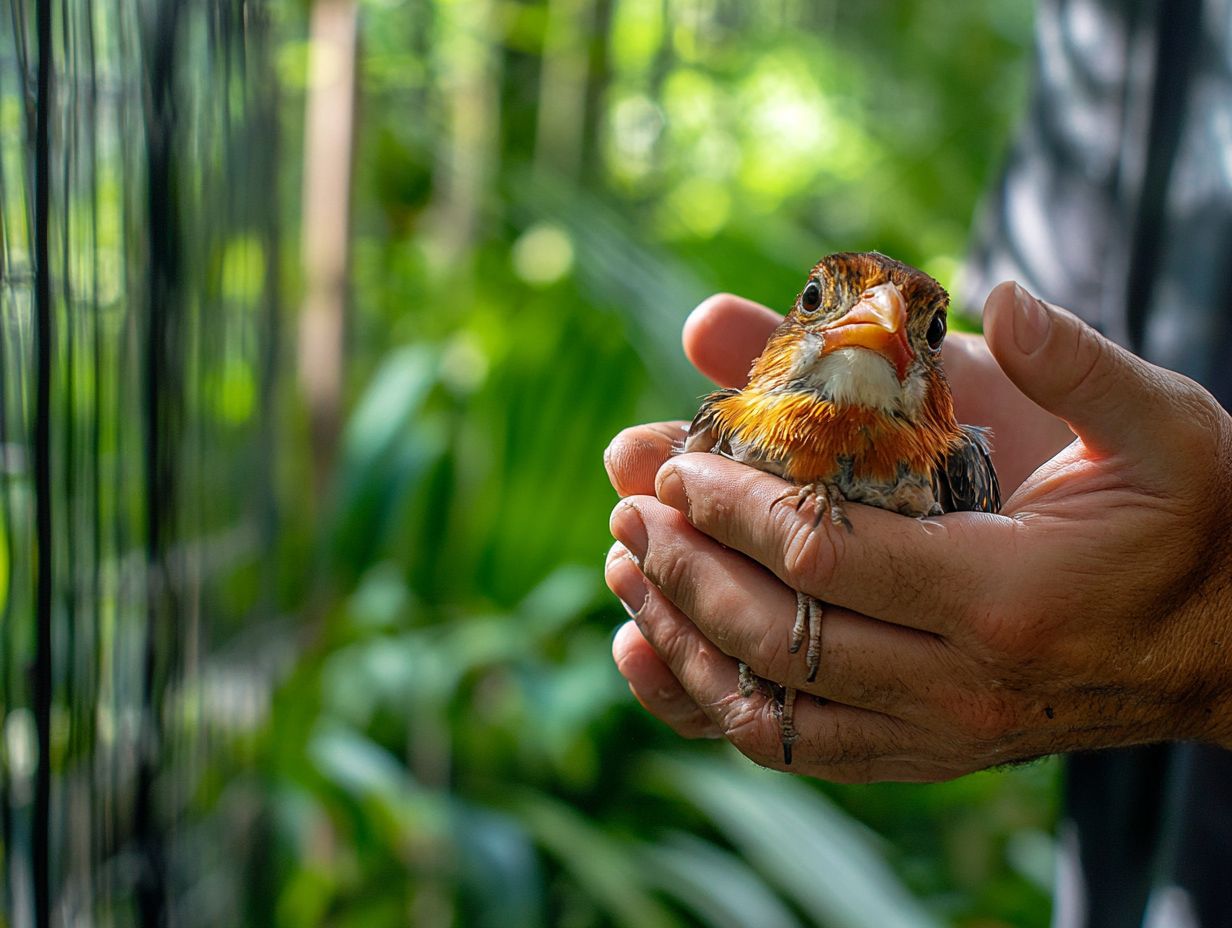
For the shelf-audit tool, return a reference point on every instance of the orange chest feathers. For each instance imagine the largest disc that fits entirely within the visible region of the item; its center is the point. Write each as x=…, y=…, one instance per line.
x=808, y=436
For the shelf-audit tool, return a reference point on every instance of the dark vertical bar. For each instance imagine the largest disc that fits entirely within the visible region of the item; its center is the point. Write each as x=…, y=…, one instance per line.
x=161, y=394
x=1178, y=38
x=69, y=591
x=598, y=78
x=42, y=474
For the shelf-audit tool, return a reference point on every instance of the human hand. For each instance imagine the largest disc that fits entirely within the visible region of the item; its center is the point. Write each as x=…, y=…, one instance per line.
x=722, y=337
x=1093, y=613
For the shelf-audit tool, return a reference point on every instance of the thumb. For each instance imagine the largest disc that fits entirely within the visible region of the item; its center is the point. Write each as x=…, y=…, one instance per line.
x=1101, y=390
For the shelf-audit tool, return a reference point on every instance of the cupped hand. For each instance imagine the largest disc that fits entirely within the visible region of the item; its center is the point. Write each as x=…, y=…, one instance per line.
x=1094, y=612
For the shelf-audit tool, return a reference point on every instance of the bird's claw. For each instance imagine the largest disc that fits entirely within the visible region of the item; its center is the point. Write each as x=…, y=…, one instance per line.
x=834, y=502
x=826, y=497
x=788, y=724
x=747, y=684
x=812, y=656
x=807, y=624
x=797, y=630
x=809, y=613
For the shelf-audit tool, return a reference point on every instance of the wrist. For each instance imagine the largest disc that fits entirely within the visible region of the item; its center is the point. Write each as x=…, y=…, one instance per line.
x=1215, y=712
x=1209, y=704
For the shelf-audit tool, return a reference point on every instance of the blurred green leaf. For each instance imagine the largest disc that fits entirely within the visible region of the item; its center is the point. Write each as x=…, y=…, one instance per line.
x=559, y=599
x=718, y=886
x=500, y=876
x=608, y=869
x=826, y=861
x=371, y=774
x=386, y=450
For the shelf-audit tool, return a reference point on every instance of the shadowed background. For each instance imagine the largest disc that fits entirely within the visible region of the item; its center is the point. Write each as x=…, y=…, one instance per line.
x=316, y=321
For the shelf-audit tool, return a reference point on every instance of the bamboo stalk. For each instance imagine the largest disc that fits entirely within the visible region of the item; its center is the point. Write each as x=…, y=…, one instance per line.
x=329, y=143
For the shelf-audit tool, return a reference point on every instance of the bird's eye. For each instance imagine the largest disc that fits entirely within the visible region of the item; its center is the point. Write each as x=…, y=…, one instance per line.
x=936, y=332
x=810, y=299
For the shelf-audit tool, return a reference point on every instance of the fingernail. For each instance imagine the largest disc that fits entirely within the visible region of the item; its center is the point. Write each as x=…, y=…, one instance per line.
x=627, y=525
x=614, y=553
x=607, y=463
x=1031, y=321
x=669, y=487
x=629, y=585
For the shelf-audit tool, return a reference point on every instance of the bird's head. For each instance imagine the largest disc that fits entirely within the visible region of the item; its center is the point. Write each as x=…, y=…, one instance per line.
x=866, y=330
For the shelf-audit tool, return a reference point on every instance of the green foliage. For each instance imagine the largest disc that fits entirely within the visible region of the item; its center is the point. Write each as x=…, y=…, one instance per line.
x=367, y=682
x=544, y=189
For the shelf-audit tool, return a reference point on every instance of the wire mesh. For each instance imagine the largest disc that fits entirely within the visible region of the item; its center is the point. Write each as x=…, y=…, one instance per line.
x=138, y=364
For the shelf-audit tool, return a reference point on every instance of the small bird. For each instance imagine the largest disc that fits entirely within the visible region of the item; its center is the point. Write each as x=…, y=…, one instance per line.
x=849, y=402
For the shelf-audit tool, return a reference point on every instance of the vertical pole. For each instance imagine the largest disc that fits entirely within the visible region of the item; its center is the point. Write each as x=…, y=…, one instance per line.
x=42, y=475
x=328, y=153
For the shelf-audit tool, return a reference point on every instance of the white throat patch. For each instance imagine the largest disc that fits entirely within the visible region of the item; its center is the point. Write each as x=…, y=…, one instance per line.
x=859, y=377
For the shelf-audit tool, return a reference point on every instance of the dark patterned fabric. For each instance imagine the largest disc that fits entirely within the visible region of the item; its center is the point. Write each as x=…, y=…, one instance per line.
x=1116, y=203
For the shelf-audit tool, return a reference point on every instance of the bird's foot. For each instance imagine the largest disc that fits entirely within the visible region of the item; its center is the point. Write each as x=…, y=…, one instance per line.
x=798, y=629
x=826, y=497
x=747, y=684
x=834, y=502
x=808, y=623
x=812, y=656
x=787, y=727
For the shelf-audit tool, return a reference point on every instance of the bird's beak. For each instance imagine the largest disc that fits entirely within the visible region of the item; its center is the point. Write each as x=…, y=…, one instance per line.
x=877, y=322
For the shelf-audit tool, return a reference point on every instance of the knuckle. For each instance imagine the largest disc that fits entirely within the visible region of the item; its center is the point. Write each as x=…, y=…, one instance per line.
x=1200, y=422
x=673, y=640
x=768, y=653
x=765, y=646
x=751, y=725
x=673, y=572
x=808, y=563
x=1006, y=637
x=1090, y=364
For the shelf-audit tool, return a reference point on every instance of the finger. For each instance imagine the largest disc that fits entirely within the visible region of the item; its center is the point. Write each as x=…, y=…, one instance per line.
x=656, y=687
x=1104, y=392
x=725, y=334
x=636, y=454
x=924, y=573
x=650, y=680
x=1024, y=435
x=836, y=742
x=748, y=613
